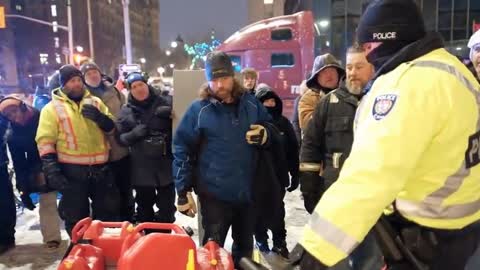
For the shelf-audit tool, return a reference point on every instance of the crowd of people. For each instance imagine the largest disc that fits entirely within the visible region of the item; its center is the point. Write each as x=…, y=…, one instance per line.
x=394, y=129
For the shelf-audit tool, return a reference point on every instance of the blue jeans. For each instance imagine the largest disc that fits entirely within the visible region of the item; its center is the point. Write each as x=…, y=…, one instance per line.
x=367, y=256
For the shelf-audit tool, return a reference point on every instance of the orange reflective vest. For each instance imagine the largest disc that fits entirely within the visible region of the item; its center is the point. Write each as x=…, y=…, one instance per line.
x=64, y=131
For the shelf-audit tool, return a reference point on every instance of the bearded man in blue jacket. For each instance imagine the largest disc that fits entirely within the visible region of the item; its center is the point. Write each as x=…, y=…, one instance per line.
x=214, y=152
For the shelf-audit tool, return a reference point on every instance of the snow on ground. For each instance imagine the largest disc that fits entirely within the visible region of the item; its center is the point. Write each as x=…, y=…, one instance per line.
x=30, y=252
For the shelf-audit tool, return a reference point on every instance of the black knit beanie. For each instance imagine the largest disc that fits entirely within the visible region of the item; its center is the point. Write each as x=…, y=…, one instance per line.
x=391, y=20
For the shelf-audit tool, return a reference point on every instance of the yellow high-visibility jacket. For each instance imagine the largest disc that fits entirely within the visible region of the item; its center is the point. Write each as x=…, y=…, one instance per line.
x=75, y=139
x=417, y=144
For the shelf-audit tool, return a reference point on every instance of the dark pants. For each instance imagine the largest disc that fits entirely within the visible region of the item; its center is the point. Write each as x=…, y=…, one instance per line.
x=277, y=226
x=218, y=216
x=7, y=206
x=453, y=250
x=121, y=171
x=162, y=197
x=87, y=183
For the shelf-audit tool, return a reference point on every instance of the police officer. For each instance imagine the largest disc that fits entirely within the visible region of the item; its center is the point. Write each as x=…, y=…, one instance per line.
x=328, y=141
x=416, y=147
x=329, y=136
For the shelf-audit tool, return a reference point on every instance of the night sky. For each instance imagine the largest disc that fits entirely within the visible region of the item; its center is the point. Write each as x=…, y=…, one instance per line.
x=193, y=19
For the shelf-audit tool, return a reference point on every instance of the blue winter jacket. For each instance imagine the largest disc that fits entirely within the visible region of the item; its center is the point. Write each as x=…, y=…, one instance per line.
x=210, y=146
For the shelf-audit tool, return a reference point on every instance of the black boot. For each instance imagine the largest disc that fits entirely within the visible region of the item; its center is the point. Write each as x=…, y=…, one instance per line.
x=4, y=248
x=281, y=249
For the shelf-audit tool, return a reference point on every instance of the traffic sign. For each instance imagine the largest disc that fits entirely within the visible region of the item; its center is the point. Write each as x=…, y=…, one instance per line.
x=2, y=18
x=128, y=68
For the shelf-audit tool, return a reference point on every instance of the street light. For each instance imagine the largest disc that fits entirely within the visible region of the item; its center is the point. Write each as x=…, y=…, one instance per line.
x=168, y=52
x=79, y=49
x=172, y=65
x=143, y=60
x=174, y=44
x=323, y=23
x=161, y=70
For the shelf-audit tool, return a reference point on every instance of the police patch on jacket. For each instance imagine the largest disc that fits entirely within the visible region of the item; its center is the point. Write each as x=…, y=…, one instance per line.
x=383, y=105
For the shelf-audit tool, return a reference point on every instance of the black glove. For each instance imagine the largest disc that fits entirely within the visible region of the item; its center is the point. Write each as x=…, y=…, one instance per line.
x=294, y=182
x=55, y=179
x=27, y=201
x=163, y=111
x=312, y=187
x=93, y=113
x=137, y=133
x=300, y=257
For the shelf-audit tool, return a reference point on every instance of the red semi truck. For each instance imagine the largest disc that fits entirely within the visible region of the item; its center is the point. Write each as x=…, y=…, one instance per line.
x=281, y=49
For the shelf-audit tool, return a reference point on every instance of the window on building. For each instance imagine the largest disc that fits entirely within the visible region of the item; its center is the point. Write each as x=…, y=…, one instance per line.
x=55, y=26
x=57, y=42
x=282, y=34
x=58, y=59
x=282, y=60
x=53, y=9
x=236, y=62
x=18, y=7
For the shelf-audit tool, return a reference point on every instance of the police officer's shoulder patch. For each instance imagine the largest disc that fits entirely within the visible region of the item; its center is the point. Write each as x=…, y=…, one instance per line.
x=383, y=105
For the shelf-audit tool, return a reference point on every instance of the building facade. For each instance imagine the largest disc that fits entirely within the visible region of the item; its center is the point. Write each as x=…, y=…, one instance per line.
x=337, y=20
x=8, y=75
x=40, y=49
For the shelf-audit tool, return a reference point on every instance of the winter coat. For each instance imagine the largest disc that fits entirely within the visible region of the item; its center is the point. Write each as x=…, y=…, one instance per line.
x=329, y=136
x=286, y=155
x=210, y=149
x=151, y=156
x=315, y=92
x=114, y=100
x=296, y=121
x=296, y=116
x=24, y=153
x=63, y=130
x=3, y=144
x=268, y=187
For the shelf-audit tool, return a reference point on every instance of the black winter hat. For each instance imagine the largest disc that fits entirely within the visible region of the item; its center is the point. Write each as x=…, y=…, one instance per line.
x=391, y=20
x=218, y=64
x=89, y=66
x=67, y=72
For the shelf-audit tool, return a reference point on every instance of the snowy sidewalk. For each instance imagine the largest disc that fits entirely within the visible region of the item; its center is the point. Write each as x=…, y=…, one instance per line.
x=31, y=254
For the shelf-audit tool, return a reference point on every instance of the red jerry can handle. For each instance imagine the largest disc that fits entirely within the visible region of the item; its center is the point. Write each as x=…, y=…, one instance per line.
x=80, y=228
x=125, y=228
x=130, y=239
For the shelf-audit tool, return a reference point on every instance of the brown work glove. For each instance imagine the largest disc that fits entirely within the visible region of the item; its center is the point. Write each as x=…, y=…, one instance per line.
x=186, y=205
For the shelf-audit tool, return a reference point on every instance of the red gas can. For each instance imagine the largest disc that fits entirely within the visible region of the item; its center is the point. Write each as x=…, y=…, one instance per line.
x=83, y=257
x=213, y=257
x=109, y=236
x=175, y=251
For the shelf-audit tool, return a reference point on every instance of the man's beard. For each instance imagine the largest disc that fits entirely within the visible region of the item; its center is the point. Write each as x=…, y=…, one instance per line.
x=76, y=95
x=356, y=88
x=94, y=85
x=223, y=94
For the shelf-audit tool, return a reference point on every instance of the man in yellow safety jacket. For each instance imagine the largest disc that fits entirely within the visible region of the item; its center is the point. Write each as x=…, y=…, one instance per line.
x=73, y=146
x=416, y=147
